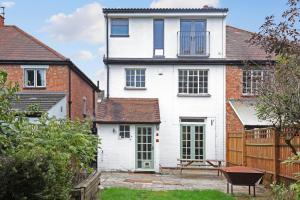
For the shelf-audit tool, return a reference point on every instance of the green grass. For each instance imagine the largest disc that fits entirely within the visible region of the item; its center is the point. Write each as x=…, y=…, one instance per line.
x=130, y=194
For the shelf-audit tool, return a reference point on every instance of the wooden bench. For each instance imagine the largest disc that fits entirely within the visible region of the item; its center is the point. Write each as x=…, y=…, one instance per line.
x=199, y=164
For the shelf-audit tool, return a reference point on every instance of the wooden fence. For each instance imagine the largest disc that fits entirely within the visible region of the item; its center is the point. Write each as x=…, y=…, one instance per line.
x=264, y=150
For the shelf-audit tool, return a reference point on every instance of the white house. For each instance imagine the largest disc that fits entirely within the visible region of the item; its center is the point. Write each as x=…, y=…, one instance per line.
x=175, y=58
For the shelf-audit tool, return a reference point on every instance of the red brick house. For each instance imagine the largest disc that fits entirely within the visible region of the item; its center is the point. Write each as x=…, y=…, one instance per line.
x=242, y=81
x=45, y=77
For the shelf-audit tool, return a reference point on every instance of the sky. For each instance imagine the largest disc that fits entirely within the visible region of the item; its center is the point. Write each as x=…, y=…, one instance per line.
x=75, y=28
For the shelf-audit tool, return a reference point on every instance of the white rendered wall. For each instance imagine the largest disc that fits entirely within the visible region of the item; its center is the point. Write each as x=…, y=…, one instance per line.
x=116, y=154
x=59, y=110
x=165, y=87
x=139, y=44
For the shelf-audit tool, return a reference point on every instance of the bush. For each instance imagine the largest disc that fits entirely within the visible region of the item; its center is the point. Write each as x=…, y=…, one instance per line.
x=41, y=160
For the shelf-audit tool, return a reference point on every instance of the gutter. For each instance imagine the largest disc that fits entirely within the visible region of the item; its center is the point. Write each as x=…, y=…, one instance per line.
x=185, y=61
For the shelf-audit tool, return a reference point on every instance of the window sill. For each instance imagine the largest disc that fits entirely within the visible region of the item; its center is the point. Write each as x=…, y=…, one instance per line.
x=35, y=88
x=130, y=88
x=193, y=56
x=249, y=95
x=119, y=35
x=193, y=95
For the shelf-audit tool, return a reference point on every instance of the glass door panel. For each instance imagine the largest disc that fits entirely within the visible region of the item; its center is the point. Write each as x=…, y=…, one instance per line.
x=192, y=142
x=144, y=148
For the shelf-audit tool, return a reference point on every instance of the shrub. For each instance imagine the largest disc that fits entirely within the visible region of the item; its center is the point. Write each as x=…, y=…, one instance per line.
x=40, y=160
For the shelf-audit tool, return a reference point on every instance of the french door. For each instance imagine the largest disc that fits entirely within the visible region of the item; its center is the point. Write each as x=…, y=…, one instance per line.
x=192, y=37
x=144, y=147
x=192, y=142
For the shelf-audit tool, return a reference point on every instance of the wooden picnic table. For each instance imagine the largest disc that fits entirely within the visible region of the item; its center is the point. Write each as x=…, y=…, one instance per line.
x=200, y=164
x=243, y=176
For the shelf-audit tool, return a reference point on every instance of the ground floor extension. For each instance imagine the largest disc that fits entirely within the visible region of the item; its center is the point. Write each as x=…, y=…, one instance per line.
x=136, y=136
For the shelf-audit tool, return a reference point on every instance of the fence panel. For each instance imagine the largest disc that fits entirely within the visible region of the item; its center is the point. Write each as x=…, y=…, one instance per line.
x=262, y=149
x=235, y=149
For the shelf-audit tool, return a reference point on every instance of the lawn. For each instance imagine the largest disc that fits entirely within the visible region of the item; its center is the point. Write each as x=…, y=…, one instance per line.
x=130, y=194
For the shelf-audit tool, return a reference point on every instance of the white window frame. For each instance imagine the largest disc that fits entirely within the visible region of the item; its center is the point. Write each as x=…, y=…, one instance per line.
x=187, y=93
x=35, y=68
x=124, y=132
x=135, y=81
x=253, y=91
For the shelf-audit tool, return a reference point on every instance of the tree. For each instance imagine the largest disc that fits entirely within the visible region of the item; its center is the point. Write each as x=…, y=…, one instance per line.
x=279, y=94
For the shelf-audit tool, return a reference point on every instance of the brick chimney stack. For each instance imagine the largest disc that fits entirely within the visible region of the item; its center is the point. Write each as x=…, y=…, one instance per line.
x=2, y=16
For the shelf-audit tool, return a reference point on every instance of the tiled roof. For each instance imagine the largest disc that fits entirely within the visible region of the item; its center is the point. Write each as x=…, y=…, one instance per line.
x=237, y=47
x=45, y=101
x=128, y=110
x=164, y=10
x=15, y=44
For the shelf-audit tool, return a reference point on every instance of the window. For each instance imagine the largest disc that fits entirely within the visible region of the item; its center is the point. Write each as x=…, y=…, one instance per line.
x=158, y=37
x=135, y=78
x=124, y=131
x=35, y=77
x=193, y=82
x=119, y=27
x=252, y=80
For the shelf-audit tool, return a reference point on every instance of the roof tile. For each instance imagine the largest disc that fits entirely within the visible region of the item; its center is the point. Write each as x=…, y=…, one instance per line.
x=15, y=44
x=128, y=110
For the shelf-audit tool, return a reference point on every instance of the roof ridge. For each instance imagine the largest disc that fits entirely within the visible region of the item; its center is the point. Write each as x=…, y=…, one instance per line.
x=229, y=26
x=39, y=42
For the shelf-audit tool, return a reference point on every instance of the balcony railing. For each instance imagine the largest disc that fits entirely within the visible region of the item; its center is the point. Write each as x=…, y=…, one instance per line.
x=192, y=43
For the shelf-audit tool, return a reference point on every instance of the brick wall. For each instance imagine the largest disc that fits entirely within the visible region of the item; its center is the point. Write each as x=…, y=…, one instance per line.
x=81, y=89
x=57, y=80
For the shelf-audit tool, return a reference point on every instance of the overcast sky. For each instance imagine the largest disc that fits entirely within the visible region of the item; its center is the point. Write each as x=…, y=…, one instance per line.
x=75, y=28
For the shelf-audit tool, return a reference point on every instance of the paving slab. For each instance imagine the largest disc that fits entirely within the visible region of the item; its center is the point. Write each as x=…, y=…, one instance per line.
x=173, y=180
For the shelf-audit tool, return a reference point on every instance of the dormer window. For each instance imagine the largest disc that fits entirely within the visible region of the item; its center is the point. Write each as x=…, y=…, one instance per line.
x=34, y=77
x=119, y=28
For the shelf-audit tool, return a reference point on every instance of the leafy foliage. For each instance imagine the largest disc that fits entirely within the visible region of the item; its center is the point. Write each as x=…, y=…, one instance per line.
x=40, y=160
x=281, y=192
x=279, y=95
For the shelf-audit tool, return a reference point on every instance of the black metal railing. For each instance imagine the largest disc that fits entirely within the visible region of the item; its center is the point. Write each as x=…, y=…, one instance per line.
x=192, y=43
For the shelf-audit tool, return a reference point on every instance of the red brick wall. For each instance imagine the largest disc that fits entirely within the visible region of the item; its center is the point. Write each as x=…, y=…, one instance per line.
x=57, y=80
x=81, y=89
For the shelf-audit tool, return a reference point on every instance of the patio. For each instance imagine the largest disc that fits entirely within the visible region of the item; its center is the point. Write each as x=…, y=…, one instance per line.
x=172, y=180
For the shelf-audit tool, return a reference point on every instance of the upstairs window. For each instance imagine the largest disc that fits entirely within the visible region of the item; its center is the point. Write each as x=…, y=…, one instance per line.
x=119, y=28
x=34, y=77
x=158, y=37
x=135, y=78
x=193, y=82
x=124, y=131
x=252, y=80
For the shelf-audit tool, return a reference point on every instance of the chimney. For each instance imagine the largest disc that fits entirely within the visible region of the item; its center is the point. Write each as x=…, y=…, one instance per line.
x=1, y=21
x=2, y=17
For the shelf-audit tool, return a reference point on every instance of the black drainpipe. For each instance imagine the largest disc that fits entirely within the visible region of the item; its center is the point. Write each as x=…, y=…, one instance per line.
x=107, y=56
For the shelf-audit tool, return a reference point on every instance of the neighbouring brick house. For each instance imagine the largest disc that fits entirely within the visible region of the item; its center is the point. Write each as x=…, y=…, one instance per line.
x=242, y=81
x=44, y=76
